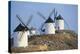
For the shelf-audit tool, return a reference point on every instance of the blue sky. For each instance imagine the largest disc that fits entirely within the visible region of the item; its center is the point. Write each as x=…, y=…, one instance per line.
x=26, y=9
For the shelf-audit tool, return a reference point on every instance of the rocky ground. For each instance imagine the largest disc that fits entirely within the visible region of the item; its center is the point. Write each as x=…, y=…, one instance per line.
x=62, y=40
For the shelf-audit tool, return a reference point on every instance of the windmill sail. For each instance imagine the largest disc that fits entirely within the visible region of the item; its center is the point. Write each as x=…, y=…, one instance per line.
x=20, y=20
x=41, y=15
x=29, y=20
x=42, y=27
x=55, y=14
x=67, y=24
x=51, y=13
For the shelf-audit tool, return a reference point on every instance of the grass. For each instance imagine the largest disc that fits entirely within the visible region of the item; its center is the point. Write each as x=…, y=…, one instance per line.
x=62, y=40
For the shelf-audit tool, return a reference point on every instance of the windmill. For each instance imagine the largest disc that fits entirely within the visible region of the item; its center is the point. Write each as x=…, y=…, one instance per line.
x=48, y=24
x=59, y=21
x=26, y=25
x=21, y=40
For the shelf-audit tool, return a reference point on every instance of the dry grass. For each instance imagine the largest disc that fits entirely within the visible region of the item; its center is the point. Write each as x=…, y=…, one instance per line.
x=31, y=48
x=60, y=41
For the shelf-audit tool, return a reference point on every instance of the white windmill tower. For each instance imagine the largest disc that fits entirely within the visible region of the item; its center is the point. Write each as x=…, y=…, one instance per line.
x=59, y=21
x=21, y=39
x=48, y=27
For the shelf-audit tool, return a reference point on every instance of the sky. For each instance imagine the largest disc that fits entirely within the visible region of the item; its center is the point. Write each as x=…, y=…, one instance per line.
x=25, y=9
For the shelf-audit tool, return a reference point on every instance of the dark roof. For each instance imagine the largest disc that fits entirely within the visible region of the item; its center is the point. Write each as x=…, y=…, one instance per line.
x=49, y=20
x=20, y=27
x=59, y=17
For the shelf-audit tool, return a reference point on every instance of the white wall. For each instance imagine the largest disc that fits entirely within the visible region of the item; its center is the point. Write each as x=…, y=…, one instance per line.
x=49, y=28
x=59, y=24
x=23, y=42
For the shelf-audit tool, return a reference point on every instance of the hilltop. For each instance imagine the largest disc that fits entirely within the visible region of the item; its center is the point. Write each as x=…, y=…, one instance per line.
x=62, y=40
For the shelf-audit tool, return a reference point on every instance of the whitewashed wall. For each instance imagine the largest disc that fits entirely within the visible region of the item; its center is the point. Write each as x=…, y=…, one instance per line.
x=59, y=24
x=49, y=28
x=23, y=42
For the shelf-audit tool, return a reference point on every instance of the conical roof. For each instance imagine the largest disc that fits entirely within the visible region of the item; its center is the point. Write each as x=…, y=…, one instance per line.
x=59, y=17
x=20, y=27
x=49, y=20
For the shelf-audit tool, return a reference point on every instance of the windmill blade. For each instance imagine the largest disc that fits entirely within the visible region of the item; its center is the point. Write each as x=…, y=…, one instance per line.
x=21, y=35
x=67, y=24
x=51, y=13
x=20, y=20
x=41, y=15
x=42, y=26
x=30, y=31
x=55, y=13
x=29, y=20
